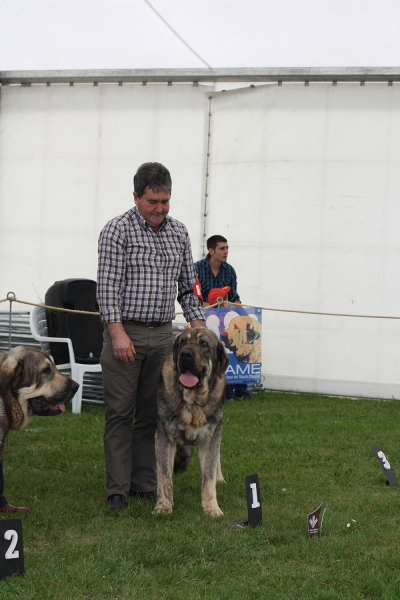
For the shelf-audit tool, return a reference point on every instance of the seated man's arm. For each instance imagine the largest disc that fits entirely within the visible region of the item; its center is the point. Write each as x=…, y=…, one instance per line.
x=191, y=304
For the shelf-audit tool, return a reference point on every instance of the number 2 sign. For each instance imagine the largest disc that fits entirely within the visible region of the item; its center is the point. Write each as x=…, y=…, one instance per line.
x=11, y=548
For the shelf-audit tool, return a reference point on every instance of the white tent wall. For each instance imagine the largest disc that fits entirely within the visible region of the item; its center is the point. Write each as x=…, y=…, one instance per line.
x=304, y=182
x=67, y=160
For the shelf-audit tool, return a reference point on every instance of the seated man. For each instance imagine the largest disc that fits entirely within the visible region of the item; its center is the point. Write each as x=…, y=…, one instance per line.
x=215, y=272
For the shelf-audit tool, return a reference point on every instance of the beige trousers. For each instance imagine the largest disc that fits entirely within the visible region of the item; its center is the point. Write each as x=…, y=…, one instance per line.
x=130, y=393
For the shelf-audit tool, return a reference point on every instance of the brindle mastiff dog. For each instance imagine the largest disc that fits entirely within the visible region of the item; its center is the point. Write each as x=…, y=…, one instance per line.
x=190, y=404
x=30, y=385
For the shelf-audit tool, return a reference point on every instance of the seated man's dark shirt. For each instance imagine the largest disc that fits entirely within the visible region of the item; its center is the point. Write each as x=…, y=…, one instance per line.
x=226, y=276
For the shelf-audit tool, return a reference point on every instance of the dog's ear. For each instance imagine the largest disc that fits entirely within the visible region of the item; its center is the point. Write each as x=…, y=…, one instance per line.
x=11, y=376
x=11, y=372
x=223, y=360
x=175, y=350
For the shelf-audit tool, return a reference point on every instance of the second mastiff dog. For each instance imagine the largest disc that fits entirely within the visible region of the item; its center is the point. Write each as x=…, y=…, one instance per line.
x=190, y=404
x=30, y=385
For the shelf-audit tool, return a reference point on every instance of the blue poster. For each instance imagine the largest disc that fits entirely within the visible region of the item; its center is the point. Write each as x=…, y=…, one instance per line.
x=241, y=331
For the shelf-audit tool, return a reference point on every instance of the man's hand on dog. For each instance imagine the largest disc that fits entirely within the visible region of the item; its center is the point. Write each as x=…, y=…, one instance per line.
x=197, y=324
x=123, y=348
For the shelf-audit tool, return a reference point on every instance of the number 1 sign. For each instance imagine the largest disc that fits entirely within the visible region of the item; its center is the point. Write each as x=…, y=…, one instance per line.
x=11, y=548
x=254, y=510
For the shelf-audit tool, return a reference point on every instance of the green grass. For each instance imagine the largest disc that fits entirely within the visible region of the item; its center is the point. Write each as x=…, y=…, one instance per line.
x=317, y=449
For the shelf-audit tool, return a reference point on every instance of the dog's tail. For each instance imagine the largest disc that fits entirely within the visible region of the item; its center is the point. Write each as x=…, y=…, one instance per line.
x=182, y=458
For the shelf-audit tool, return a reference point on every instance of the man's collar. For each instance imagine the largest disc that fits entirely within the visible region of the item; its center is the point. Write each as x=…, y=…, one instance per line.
x=143, y=223
x=207, y=261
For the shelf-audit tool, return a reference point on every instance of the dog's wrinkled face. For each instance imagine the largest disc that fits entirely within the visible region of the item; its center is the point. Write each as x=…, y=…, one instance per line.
x=199, y=356
x=30, y=377
x=243, y=338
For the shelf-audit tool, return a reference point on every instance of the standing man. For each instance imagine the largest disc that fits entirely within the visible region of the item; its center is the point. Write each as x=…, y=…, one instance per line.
x=215, y=272
x=144, y=255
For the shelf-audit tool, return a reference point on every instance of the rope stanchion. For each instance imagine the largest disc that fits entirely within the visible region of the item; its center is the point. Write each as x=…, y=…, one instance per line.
x=217, y=304
x=56, y=308
x=10, y=297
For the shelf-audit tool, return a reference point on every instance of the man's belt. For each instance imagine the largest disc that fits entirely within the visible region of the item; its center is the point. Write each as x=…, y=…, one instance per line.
x=149, y=324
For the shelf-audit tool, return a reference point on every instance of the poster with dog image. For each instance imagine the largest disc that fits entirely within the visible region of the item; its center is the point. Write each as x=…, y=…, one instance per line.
x=241, y=331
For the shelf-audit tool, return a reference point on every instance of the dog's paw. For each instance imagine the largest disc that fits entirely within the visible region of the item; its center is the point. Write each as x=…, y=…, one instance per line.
x=220, y=479
x=214, y=511
x=162, y=509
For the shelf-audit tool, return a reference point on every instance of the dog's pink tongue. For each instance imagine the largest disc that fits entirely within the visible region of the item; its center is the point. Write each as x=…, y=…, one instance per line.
x=61, y=407
x=188, y=379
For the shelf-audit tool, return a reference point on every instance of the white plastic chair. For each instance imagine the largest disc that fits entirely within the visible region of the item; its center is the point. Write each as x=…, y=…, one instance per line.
x=38, y=325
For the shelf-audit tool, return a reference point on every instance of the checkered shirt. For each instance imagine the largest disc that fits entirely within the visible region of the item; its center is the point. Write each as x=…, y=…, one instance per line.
x=139, y=270
x=225, y=276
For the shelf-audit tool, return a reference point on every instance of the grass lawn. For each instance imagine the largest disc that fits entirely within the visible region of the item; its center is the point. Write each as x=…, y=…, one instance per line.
x=306, y=450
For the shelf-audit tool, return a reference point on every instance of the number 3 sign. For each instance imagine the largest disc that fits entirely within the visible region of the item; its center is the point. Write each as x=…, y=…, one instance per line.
x=11, y=548
x=387, y=469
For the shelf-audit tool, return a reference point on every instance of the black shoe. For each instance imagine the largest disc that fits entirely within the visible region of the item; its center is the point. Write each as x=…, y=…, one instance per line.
x=152, y=495
x=117, y=501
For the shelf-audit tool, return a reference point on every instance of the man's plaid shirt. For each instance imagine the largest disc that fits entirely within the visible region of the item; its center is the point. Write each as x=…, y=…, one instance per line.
x=226, y=276
x=139, y=270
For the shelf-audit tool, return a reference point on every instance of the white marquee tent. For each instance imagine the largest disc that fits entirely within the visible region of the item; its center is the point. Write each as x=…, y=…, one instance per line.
x=297, y=162
x=134, y=34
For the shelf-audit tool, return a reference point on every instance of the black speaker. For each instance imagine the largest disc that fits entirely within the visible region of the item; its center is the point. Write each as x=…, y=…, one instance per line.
x=85, y=331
